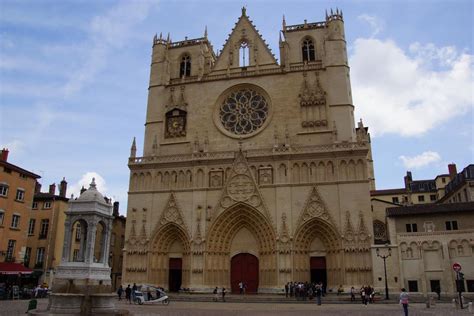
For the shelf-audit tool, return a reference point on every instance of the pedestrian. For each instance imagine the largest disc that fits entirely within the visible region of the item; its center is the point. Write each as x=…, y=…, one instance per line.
x=286, y=290
x=319, y=292
x=134, y=288
x=223, y=294
x=128, y=292
x=352, y=294
x=438, y=291
x=241, y=287
x=216, y=295
x=363, y=295
x=119, y=292
x=404, y=301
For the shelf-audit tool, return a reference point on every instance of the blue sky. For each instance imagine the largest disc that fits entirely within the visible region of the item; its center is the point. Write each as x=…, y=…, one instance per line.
x=74, y=76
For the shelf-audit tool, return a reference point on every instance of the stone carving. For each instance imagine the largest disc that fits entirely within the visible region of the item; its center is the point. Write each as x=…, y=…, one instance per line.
x=315, y=207
x=172, y=213
x=313, y=104
x=265, y=175
x=216, y=178
x=240, y=187
x=284, y=233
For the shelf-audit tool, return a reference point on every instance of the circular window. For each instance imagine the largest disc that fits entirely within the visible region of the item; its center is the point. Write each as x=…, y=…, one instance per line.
x=243, y=111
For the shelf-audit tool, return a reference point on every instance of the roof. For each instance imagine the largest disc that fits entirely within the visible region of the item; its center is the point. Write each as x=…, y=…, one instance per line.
x=388, y=192
x=422, y=209
x=13, y=268
x=19, y=170
x=48, y=196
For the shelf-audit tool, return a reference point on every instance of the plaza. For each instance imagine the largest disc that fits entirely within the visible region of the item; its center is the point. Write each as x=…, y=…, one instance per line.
x=235, y=307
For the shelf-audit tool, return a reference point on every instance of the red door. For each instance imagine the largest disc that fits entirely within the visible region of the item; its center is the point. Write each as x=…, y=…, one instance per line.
x=175, y=274
x=244, y=267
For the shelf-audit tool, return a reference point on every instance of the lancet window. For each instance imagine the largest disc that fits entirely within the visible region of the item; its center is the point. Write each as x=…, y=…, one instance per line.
x=244, y=54
x=185, y=66
x=308, y=50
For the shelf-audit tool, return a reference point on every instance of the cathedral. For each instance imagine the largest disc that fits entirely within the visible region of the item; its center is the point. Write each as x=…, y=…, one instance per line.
x=253, y=169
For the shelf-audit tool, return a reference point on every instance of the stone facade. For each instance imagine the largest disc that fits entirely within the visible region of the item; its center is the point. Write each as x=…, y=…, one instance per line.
x=426, y=237
x=245, y=155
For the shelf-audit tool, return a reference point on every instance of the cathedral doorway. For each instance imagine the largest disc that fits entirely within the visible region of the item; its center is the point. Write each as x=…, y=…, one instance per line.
x=318, y=270
x=244, y=268
x=175, y=274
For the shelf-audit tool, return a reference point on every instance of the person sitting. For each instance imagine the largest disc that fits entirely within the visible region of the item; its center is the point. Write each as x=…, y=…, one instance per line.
x=340, y=290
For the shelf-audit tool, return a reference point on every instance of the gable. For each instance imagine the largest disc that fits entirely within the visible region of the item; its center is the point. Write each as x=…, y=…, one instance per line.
x=244, y=32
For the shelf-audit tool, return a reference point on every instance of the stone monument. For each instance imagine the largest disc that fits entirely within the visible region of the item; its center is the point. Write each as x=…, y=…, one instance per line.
x=82, y=283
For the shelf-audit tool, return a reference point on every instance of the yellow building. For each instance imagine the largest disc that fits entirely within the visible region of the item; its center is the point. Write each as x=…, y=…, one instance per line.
x=17, y=187
x=252, y=169
x=46, y=230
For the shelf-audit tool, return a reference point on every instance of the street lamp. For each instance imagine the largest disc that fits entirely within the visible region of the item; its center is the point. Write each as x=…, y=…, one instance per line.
x=384, y=257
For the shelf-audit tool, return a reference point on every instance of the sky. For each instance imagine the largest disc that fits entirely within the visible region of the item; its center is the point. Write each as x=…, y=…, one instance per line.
x=74, y=79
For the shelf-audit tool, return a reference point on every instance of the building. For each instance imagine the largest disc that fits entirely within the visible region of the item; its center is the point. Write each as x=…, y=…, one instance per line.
x=252, y=169
x=117, y=243
x=46, y=231
x=426, y=239
x=17, y=187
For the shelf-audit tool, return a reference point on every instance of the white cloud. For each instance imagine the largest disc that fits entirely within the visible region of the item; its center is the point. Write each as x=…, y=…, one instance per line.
x=85, y=181
x=106, y=33
x=422, y=160
x=375, y=23
x=397, y=93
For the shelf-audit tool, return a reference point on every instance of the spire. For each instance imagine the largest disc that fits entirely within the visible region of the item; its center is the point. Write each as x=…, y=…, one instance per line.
x=283, y=23
x=155, y=38
x=93, y=185
x=133, y=149
x=168, y=38
x=161, y=35
x=205, y=32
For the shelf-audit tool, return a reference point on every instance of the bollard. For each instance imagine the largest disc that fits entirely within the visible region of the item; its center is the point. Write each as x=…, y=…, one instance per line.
x=469, y=307
x=433, y=301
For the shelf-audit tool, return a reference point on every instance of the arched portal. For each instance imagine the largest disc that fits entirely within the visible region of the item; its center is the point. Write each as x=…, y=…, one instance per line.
x=169, y=261
x=318, y=255
x=244, y=268
x=226, y=228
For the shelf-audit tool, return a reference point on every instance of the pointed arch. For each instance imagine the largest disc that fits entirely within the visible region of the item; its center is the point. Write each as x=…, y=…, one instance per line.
x=219, y=241
x=321, y=174
x=296, y=173
x=343, y=171
x=304, y=172
x=329, y=171
x=282, y=173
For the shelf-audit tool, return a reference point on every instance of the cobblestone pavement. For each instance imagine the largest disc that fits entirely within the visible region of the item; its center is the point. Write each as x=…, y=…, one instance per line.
x=259, y=309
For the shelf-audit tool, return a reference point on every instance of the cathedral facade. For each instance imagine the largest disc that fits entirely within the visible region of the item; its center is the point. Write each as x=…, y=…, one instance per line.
x=253, y=170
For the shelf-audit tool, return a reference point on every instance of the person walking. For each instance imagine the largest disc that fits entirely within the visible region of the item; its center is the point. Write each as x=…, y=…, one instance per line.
x=404, y=301
x=223, y=294
x=319, y=293
x=134, y=288
x=216, y=295
x=241, y=287
x=363, y=295
x=286, y=290
x=128, y=292
x=353, y=297
x=119, y=292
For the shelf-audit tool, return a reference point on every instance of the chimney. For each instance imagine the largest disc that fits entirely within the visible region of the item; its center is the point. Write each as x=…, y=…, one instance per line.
x=452, y=170
x=408, y=179
x=4, y=155
x=83, y=190
x=52, y=189
x=37, y=187
x=63, y=188
x=116, y=209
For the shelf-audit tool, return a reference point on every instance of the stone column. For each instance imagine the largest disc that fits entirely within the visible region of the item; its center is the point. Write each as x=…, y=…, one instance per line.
x=67, y=241
x=91, y=231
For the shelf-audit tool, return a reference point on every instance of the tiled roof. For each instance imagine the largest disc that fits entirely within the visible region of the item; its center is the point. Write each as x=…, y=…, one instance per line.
x=387, y=192
x=430, y=209
x=19, y=170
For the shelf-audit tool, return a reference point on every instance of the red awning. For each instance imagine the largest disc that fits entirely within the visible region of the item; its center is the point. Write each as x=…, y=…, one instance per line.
x=13, y=268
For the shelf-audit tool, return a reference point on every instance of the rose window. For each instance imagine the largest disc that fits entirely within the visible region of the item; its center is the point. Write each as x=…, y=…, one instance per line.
x=243, y=111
